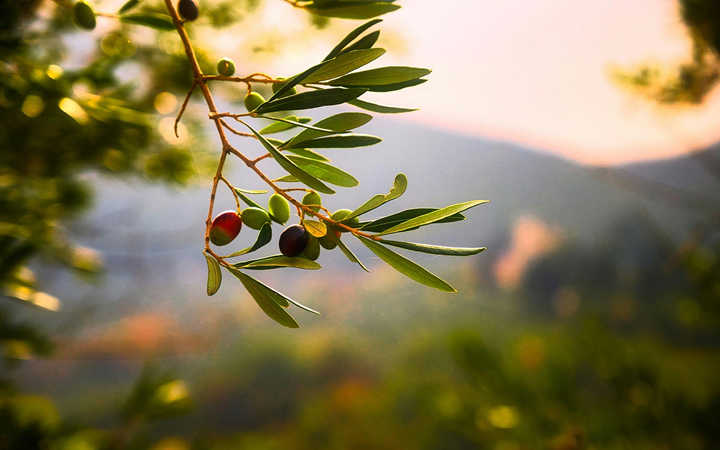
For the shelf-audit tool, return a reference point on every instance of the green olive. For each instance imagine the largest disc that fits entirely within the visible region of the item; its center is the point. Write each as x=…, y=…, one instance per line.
x=279, y=208
x=226, y=67
x=84, y=15
x=253, y=100
x=255, y=218
x=312, y=248
x=312, y=198
x=330, y=240
x=340, y=216
x=277, y=86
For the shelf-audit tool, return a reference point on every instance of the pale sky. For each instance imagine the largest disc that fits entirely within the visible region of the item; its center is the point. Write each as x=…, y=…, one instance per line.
x=536, y=72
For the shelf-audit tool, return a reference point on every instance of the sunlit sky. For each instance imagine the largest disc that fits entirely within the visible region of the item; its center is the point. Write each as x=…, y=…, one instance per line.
x=536, y=72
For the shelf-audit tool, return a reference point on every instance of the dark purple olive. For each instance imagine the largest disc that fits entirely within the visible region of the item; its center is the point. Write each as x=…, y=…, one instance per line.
x=293, y=240
x=188, y=9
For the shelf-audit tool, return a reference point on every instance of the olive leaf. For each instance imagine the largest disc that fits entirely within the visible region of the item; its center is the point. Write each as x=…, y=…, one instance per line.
x=312, y=99
x=407, y=267
x=308, y=154
x=366, y=41
x=361, y=11
x=263, y=238
x=315, y=228
x=268, y=299
x=214, y=274
x=350, y=37
x=342, y=141
x=324, y=171
x=128, y=5
x=344, y=63
x=339, y=122
x=435, y=249
x=394, y=86
x=398, y=189
x=374, y=107
x=295, y=123
x=350, y=255
x=381, y=76
x=386, y=222
x=289, y=166
x=251, y=191
x=433, y=217
x=277, y=261
x=279, y=127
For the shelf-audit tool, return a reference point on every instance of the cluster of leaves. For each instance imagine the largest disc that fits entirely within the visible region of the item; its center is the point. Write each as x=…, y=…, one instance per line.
x=336, y=80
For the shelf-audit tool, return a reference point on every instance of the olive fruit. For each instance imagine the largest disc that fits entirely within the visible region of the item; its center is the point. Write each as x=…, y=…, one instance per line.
x=312, y=249
x=225, y=227
x=277, y=86
x=293, y=240
x=84, y=15
x=226, y=67
x=279, y=208
x=253, y=100
x=255, y=218
x=331, y=238
x=340, y=216
x=312, y=198
x=188, y=9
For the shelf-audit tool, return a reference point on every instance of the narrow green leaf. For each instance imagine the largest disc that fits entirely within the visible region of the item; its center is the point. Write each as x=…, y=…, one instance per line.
x=374, y=107
x=339, y=122
x=436, y=249
x=251, y=191
x=312, y=99
x=286, y=179
x=292, y=82
x=157, y=21
x=128, y=5
x=366, y=41
x=434, y=216
x=308, y=154
x=407, y=267
x=324, y=171
x=248, y=201
x=381, y=76
x=361, y=11
x=315, y=228
x=394, y=86
x=263, y=238
x=276, y=261
x=350, y=255
x=279, y=127
x=398, y=189
x=344, y=63
x=295, y=123
x=267, y=299
x=289, y=166
x=386, y=222
x=350, y=37
x=342, y=141
x=214, y=275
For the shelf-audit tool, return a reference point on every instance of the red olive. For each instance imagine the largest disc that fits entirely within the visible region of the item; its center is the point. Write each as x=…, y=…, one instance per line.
x=293, y=240
x=225, y=227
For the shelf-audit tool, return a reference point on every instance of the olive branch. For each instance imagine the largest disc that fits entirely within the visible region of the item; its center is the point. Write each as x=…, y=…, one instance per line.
x=333, y=81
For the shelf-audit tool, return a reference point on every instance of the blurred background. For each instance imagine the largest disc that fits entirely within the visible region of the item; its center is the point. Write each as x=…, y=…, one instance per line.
x=591, y=322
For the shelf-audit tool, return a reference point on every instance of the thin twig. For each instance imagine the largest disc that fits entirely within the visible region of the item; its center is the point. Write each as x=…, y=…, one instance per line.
x=182, y=108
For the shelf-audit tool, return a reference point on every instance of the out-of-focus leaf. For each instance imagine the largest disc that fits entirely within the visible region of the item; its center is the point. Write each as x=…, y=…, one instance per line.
x=386, y=222
x=276, y=261
x=381, y=76
x=324, y=171
x=361, y=11
x=406, y=267
x=344, y=141
x=268, y=299
x=436, y=249
x=128, y=5
x=350, y=37
x=398, y=189
x=434, y=216
x=263, y=238
x=339, y=122
x=344, y=63
x=290, y=166
x=350, y=255
x=367, y=41
x=315, y=228
x=374, y=107
x=214, y=275
x=156, y=21
x=312, y=99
